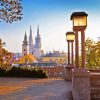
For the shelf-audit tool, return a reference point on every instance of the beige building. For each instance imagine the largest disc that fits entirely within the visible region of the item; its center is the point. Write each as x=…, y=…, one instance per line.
x=55, y=56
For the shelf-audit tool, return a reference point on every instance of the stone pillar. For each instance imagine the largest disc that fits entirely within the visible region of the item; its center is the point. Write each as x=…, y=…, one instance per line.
x=68, y=72
x=70, y=66
x=81, y=84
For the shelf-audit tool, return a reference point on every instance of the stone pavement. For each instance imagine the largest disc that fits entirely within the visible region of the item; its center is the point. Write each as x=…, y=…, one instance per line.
x=34, y=89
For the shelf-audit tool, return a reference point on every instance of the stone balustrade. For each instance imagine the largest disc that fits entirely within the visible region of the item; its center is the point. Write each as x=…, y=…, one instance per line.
x=95, y=84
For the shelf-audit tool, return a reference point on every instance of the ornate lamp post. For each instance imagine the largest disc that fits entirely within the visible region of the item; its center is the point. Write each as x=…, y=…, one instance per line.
x=79, y=24
x=70, y=36
x=81, y=77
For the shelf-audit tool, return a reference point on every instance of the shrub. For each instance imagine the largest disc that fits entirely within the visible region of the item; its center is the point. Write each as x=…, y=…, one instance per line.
x=2, y=72
x=23, y=72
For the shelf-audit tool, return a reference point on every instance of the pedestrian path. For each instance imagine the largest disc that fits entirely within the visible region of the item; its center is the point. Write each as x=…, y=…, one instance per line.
x=34, y=89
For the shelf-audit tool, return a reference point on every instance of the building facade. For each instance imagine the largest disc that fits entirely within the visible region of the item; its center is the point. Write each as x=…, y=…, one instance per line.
x=55, y=57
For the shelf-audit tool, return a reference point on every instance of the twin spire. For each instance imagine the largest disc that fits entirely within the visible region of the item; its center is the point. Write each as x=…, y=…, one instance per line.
x=38, y=35
x=30, y=31
x=33, y=48
x=30, y=36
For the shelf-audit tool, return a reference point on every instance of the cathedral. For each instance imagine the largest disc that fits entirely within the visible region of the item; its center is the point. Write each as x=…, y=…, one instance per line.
x=28, y=47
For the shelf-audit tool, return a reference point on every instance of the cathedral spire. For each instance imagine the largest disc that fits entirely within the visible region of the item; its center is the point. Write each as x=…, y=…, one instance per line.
x=25, y=38
x=31, y=42
x=30, y=36
x=38, y=35
x=24, y=45
x=38, y=39
x=30, y=31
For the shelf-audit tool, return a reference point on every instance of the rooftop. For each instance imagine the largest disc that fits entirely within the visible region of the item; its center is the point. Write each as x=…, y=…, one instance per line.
x=55, y=54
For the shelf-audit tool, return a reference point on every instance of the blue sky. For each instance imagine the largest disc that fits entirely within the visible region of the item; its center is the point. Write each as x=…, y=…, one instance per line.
x=53, y=17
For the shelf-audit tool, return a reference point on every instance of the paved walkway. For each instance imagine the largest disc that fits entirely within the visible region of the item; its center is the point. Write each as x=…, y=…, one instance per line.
x=34, y=89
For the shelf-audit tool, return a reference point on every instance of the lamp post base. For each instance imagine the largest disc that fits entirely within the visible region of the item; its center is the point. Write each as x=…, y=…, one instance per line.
x=68, y=72
x=80, y=84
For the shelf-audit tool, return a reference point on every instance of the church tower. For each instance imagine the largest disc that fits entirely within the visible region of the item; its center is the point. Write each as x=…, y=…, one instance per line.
x=25, y=45
x=37, y=47
x=31, y=42
x=38, y=39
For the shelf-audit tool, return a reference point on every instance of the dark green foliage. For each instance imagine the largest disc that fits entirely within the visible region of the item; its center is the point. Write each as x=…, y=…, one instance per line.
x=23, y=72
x=2, y=72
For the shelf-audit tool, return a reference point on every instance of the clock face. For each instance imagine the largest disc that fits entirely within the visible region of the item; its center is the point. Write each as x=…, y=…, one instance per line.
x=80, y=21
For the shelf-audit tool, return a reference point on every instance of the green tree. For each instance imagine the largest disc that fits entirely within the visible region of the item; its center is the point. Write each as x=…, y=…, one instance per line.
x=96, y=51
x=10, y=10
x=92, y=54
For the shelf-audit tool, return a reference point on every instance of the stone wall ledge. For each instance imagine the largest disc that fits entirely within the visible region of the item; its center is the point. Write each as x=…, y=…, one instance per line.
x=70, y=65
x=95, y=75
x=94, y=70
x=81, y=72
x=69, y=68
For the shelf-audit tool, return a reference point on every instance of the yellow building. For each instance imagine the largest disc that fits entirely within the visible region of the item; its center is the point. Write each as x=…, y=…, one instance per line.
x=27, y=59
x=56, y=56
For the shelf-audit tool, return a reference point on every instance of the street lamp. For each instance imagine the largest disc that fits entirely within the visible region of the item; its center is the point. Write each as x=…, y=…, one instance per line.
x=79, y=24
x=70, y=36
x=79, y=20
x=80, y=76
